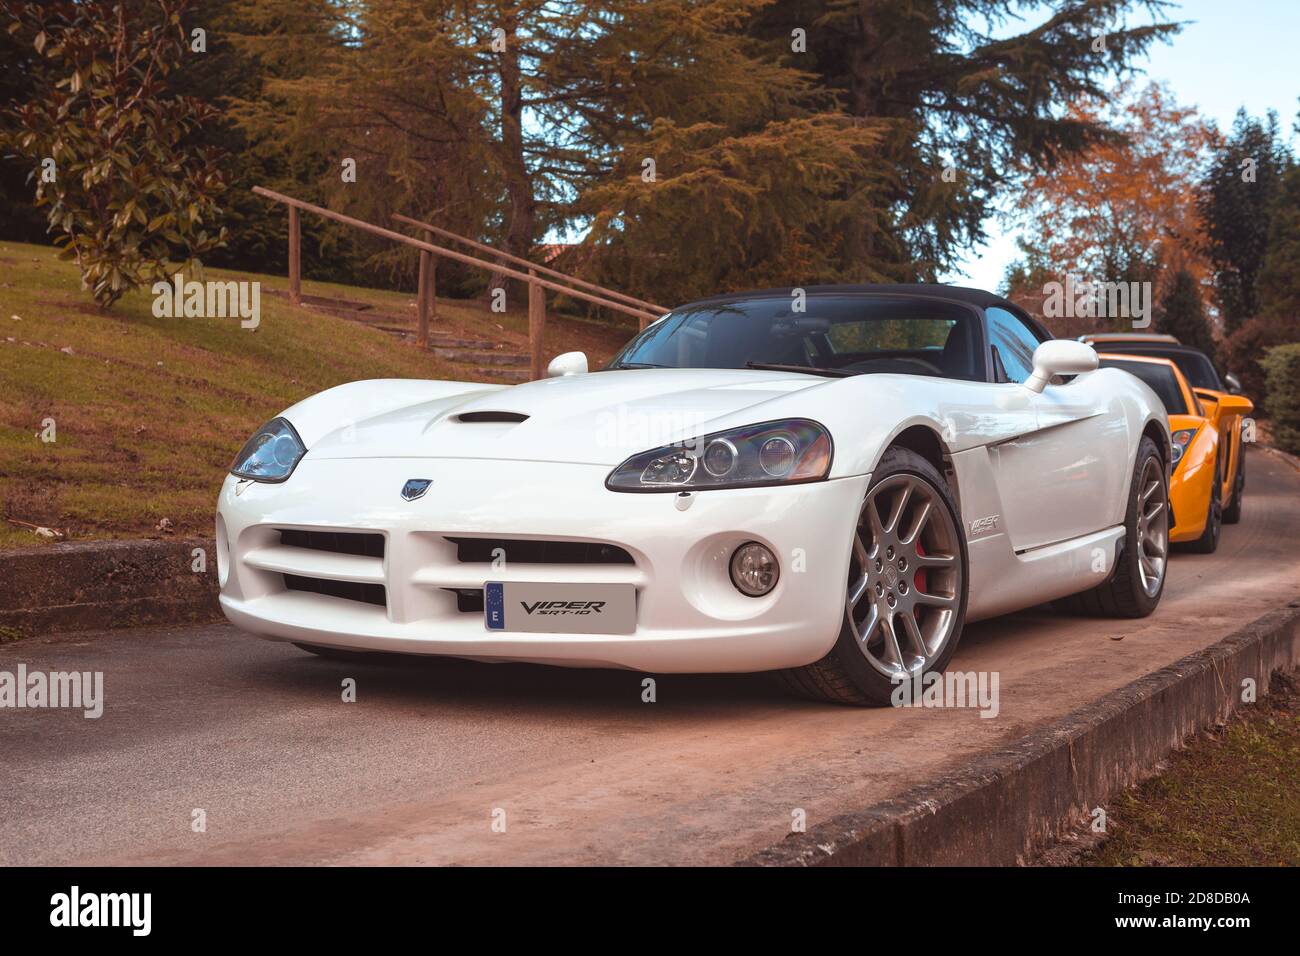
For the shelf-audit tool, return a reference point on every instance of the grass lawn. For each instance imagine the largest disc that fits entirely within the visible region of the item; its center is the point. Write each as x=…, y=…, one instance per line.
x=148, y=412
x=1231, y=798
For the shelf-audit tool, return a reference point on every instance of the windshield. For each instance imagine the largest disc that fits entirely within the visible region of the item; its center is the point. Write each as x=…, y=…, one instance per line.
x=1159, y=378
x=1196, y=368
x=825, y=334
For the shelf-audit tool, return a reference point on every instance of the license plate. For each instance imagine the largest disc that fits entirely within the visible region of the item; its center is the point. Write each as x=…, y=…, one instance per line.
x=560, y=608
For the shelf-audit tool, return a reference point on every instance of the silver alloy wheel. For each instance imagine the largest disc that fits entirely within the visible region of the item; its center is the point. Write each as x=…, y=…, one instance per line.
x=905, y=576
x=1152, y=526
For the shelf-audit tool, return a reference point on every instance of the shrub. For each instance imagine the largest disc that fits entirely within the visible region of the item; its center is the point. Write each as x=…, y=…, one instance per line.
x=1244, y=349
x=1282, y=368
x=123, y=188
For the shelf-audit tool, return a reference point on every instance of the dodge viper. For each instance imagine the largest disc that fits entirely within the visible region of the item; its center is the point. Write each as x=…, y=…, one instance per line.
x=1199, y=444
x=1209, y=389
x=826, y=482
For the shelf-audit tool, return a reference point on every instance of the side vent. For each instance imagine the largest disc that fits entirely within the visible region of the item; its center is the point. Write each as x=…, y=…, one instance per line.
x=470, y=418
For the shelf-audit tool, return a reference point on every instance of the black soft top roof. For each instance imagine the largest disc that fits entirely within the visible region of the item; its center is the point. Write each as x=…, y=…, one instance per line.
x=1136, y=346
x=929, y=290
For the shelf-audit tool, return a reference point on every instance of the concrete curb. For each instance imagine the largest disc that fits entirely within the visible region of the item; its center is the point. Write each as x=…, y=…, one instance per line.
x=1009, y=803
x=1287, y=457
x=104, y=584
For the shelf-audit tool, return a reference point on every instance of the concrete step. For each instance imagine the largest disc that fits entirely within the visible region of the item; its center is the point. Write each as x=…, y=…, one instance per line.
x=366, y=315
x=480, y=356
x=325, y=302
x=445, y=344
x=512, y=375
x=449, y=341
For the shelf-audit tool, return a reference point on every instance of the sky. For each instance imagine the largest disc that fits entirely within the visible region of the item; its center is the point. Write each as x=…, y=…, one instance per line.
x=1235, y=53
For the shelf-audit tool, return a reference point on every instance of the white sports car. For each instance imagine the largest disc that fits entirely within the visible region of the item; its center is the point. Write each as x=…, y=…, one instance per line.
x=827, y=482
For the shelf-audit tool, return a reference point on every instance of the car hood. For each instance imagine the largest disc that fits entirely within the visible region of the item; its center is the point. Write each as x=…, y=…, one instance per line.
x=597, y=418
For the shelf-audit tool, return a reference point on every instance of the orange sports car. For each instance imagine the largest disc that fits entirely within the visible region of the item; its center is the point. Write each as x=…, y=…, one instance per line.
x=1196, y=482
x=1206, y=384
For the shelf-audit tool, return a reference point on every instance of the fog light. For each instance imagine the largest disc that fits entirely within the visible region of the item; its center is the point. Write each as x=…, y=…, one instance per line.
x=754, y=570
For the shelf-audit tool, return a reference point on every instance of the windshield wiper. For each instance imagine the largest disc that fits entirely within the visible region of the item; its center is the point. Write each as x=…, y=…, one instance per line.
x=809, y=370
x=637, y=365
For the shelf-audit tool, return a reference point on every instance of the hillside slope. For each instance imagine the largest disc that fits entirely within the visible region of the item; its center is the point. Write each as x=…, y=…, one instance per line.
x=148, y=412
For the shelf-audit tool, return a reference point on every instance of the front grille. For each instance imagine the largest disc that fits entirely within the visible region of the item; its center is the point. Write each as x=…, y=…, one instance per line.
x=526, y=551
x=339, y=542
x=348, y=590
x=429, y=575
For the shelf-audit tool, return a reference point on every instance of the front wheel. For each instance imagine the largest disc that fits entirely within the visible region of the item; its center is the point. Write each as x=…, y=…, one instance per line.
x=905, y=597
x=1208, y=542
x=1139, y=577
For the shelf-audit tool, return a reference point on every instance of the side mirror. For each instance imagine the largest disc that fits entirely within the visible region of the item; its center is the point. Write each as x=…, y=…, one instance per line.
x=570, y=363
x=1060, y=357
x=1235, y=405
x=1233, y=383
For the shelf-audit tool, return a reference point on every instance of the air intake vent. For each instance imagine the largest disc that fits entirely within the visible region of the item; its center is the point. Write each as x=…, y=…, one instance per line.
x=532, y=551
x=348, y=590
x=513, y=418
x=337, y=542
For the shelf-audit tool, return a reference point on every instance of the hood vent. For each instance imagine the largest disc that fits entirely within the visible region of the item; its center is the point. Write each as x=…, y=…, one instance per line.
x=512, y=418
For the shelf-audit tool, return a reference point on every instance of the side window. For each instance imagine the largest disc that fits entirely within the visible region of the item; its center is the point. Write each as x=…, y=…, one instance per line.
x=1013, y=345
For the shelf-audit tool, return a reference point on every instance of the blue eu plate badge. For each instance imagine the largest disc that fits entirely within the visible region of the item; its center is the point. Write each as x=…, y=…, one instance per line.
x=495, y=605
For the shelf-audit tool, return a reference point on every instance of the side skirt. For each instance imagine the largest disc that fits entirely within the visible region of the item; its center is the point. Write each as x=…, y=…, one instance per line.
x=1002, y=581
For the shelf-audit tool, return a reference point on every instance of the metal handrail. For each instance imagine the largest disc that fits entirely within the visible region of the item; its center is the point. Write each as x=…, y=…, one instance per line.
x=536, y=301
x=518, y=260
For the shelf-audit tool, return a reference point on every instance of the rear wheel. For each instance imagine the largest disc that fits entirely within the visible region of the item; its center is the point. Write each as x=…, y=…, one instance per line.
x=1232, y=513
x=1134, y=589
x=905, y=597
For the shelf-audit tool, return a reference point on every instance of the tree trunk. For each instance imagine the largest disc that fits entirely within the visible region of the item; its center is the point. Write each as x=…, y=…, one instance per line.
x=519, y=185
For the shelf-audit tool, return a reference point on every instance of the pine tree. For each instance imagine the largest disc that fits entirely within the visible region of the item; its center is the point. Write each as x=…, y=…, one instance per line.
x=1180, y=313
x=726, y=169
x=985, y=110
x=230, y=74
x=384, y=86
x=1238, y=195
x=1279, y=276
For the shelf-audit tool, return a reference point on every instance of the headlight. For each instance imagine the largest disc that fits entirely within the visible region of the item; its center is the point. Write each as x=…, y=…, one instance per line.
x=271, y=454
x=772, y=453
x=1181, y=439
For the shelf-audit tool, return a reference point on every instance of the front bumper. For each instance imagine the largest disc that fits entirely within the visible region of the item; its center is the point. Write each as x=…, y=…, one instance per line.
x=1190, y=491
x=689, y=618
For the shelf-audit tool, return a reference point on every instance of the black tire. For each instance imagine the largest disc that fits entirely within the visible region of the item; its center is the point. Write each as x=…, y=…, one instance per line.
x=1208, y=542
x=1124, y=595
x=340, y=654
x=844, y=675
x=1232, y=513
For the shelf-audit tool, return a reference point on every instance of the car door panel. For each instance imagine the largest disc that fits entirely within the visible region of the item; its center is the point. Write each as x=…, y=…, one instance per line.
x=1056, y=482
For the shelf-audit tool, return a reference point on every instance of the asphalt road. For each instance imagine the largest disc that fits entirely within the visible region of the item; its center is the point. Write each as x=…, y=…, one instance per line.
x=574, y=763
